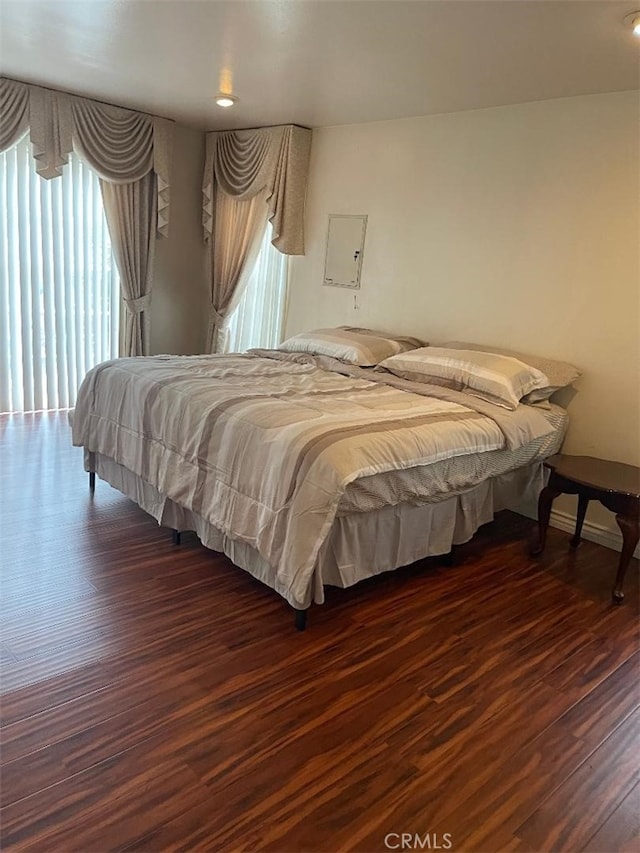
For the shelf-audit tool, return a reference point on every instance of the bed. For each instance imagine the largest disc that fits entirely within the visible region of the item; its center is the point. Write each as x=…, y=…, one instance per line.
x=305, y=470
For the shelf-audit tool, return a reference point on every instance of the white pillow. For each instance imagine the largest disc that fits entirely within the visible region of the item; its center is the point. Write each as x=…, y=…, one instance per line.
x=500, y=379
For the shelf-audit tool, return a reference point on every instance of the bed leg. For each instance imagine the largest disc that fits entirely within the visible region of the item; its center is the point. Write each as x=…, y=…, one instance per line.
x=92, y=481
x=448, y=559
x=176, y=537
x=301, y=620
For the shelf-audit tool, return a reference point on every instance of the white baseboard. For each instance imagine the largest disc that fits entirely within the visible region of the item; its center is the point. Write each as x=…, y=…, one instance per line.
x=592, y=532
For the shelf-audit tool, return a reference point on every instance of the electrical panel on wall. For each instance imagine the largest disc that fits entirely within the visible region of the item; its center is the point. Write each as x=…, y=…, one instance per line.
x=345, y=250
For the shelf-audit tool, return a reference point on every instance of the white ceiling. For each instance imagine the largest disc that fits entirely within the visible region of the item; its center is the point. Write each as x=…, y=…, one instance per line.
x=319, y=62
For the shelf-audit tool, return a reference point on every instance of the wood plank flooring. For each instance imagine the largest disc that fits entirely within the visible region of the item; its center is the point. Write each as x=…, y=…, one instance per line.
x=157, y=698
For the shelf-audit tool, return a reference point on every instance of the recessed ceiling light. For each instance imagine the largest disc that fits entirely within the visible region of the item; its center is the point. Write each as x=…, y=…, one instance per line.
x=225, y=100
x=633, y=21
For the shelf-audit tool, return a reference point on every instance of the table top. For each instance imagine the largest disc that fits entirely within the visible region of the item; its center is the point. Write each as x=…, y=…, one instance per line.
x=615, y=477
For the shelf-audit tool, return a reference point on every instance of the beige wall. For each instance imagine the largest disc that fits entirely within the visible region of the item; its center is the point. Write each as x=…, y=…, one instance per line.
x=179, y=301
x=515, y=226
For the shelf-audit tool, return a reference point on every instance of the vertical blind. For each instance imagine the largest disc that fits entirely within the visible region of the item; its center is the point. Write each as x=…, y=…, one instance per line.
x=59, y=286
x=258, y=318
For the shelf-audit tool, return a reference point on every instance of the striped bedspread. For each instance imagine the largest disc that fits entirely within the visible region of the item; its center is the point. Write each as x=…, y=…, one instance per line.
x=263, y=446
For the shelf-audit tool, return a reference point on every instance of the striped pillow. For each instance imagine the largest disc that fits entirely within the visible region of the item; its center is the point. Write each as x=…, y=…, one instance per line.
x=559, y=373
x=500, y=379
x=363, y=347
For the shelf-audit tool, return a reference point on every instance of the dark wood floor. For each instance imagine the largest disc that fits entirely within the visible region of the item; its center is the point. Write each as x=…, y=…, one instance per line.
x=157, y=698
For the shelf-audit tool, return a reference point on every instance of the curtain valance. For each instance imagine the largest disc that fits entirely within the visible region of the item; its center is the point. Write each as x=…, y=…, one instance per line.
x=121, y=145
x=243, y=163
x=14, y=112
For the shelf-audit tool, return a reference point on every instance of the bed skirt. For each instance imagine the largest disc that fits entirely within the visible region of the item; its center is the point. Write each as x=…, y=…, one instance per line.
x=360, y=545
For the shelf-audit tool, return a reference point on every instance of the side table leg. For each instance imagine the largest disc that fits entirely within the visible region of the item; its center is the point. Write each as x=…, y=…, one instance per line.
x=583, y=503
x=630, y=528
x=545, y=501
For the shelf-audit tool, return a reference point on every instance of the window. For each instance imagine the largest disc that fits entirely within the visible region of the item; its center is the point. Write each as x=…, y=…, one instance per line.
x=258, y=318
x=59, y=286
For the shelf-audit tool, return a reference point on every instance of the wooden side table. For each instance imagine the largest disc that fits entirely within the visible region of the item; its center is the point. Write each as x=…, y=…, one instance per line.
x=615, y=485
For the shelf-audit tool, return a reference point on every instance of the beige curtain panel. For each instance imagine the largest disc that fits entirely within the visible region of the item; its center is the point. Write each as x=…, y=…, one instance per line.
x=273, y=160
x=239, y=226
x=131, y=213
x=121, y=145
